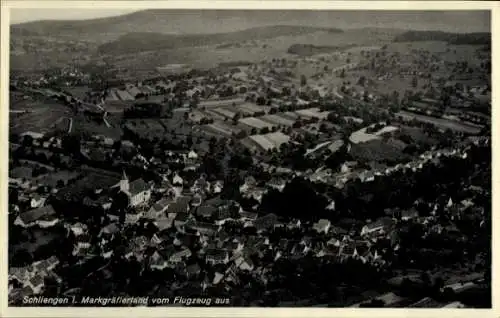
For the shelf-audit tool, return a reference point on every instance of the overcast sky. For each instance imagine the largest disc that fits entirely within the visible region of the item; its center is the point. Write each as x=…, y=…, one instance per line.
x=27, y=15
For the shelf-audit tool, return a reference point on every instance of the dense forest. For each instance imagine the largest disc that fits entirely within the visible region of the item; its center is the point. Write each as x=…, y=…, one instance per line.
x=479, y=38
x=309, y=49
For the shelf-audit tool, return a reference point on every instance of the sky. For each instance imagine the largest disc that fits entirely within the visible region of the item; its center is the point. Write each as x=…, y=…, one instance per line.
x=27, y=15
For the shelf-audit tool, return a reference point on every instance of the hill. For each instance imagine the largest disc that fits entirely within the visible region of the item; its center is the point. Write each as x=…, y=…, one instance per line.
x=479, y=38
x=141, y=42
x=20, y=31
x=165, y=22
x=224, y=21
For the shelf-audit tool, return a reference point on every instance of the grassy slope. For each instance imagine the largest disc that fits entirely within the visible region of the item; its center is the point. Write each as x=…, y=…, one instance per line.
x=266, y=49
x=140, y=42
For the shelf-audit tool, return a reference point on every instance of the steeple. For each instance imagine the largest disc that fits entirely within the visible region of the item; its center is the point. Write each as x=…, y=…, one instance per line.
x=124, y=184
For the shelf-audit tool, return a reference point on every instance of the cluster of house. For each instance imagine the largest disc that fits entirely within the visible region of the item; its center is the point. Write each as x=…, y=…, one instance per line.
x=393, y=300
x=348, y=171
x=29, y=280
x=187, y=223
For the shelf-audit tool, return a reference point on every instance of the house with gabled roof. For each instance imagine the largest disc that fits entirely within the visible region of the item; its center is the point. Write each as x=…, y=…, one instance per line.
x=109, y=230
x=348, y=250
x=206, y=211
x=46, y=265
x=82, y=244
x=367, y=176
x=180, y=256
x=410, y=214
x=205, y=228
x=216, y=256
x=181, y=219
x=179, y=206
x=244, y=263
x=37, y=201
x=322, y=226
x=36, y=284
x=363, y=251
x=164, y=223
x=158, y=209
x=200, y=186
x=159, y=259
x=21, y=274
x=266, y=222
x=380, y=226
x=193, y=270
x=43, y=217
x=329, y=250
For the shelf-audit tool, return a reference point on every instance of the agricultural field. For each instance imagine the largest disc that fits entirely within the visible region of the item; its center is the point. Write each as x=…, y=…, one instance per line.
x=441, y=122
x=210, y=56
x=262, y=142
x=228, y=127
x=211, y=103
x=289, y=115
x=447, y=52
x=267, y=141
x=225, y=112
x=214, y=130
x=275, y=119
x=252, y=109
x=312, y=113
x=255, y=123
x=37, y=117
x=405, y=47
x=277, y=138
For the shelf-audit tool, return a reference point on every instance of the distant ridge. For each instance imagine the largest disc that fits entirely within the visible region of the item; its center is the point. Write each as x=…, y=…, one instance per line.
x=140, y=41
x=184, y=21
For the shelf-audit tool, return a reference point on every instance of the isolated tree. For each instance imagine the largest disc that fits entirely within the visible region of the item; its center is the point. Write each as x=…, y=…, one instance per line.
x=303, y=80
x=13, y=196
x=362, y=81
x=27, y=141
x=236, y=117
x=71, y=144
x=60, y=184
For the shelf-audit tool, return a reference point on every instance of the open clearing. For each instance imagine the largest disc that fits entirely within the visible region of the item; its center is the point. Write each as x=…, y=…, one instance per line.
x=210, y=56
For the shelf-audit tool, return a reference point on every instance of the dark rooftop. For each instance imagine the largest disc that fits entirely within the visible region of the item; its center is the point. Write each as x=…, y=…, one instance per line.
x=37, y=214
x=138, y=186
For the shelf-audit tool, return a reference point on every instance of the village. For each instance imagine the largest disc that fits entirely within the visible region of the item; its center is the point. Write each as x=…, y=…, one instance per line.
x=198, y=182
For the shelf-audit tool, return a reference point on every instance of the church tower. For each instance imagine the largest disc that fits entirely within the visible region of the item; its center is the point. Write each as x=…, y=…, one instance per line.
x=124, y=184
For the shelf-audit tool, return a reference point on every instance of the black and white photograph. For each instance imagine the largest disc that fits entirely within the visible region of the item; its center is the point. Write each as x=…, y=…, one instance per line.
x=167, y=157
